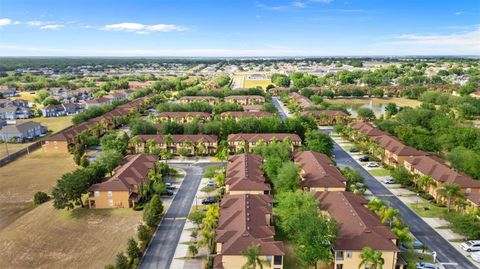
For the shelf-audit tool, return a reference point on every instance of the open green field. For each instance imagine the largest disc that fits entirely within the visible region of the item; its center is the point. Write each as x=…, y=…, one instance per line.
x=380, y=172
x=250, y=83
x=432, y=212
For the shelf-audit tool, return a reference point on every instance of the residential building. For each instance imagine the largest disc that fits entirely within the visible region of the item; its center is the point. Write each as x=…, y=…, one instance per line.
x=318, y=173
x=22, y=132
x=238, y=143
x=252, y=108
x=237, y=115
x=245, y=99
x=395, y=152
x=15, y=112
x=190, y=99
x=474, y=202
x=358, y=228
x=184, y=117
x=123, y=189
x=435, y=168
x=301, y=100
x=278, y=91
x=8, y=92
x=245, y=175
x=327, y=117
x=245, y=220
x=191, y=144
x=98, y=102
x=366, y=129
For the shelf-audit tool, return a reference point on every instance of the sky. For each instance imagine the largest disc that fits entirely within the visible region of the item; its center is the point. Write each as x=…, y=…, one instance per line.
x=228, y=28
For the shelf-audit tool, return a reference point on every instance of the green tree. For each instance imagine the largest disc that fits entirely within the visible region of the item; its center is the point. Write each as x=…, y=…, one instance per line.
x=371, y=258
x=142, y=233
x=402, y=176
x=450, y=191
x=252, y=253
x=287, y=178
x=40, y=198
x=152, y=211
x=319, y=142
x=365, y=114
x=391, y=109
x=109, y=159
x=133, y=251
x=121, y=262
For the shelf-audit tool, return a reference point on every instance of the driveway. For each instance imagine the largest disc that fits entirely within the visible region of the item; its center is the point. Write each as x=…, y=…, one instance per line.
x=161, y=250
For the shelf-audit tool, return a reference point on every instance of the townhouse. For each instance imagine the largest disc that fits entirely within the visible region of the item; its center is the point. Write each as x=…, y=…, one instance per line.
x=245, y=220
x=301, y=100
x=190, y=99
x=241, y=142
x=237, y=115
x=366, y=129
x=123, y=189
x=7, y=92
x=15, y=112
x=191, y=144
x=318, y=173
x=327, y=117
x=394, y=151
x=60, y=110
x=245, y=99
x=16, y=102
x=245, y=175
x=278, y=91
x=358, y=227
x=435, y=168
x=252, y=108
x=98, y=102
x=22, y=132
x=474, y=202
x=184, y=117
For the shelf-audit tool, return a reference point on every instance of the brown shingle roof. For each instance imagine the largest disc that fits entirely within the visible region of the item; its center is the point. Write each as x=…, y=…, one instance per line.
x=267, y=137
x=358, y=226
x=199, y=98
x=243, y=222
x=302, y=100
x=244, y=173
x=160, y=139
x=241, y=114
x=132, y=172
x=367, y=129
x=474, y=197
x=245, y=97
x=396, y=146
x=318, y=170
x=439, y=171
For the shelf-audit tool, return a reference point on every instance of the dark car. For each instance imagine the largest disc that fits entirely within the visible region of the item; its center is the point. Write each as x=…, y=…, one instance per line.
x=354, y=149
x=364, y=159
x=167, y=192
x=209, y=201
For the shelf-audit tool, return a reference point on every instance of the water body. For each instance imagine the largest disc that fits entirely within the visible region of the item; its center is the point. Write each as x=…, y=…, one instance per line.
x=376, y=107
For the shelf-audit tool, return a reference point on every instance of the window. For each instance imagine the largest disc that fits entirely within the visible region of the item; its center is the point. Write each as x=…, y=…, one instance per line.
x=339, y=255
x=109, y=193
x=110, y=202
x=339, y=266
x=269, y=259
x=468, y=190
x=97, y=193
x=326, y=189
x=349, y=254
x=277, y=260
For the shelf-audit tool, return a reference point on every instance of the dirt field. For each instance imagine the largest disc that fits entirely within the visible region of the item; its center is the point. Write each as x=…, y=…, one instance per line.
x=20, y=179
x=82, y=238
x=12, y=148
x=25, y=96
x=52, y=123
x=251, y=83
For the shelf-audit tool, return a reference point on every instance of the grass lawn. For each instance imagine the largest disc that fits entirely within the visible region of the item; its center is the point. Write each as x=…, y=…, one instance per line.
x=25, y=96
x=347, y=148
x=412, y=258
x=252, y=83
x=80, y=238
x=380, y=172
x=397, y=100
x=20, y=179
x=433, y=212
x=53, y=124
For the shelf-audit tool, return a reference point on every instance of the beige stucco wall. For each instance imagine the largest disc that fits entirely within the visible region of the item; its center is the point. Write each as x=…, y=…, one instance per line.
x=354, y=261
x=236, y=262
x=119, y=198
x=55, y=146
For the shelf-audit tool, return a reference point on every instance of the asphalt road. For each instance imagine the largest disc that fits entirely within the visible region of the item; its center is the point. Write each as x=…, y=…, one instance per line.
x=446, y=253
x=279, y=108
x=161, y=250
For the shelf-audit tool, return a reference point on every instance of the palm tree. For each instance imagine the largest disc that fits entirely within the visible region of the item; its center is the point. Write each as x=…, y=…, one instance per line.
x=424, y=182
x=376, y=205
x=135, y=142
x=403, y=235
x=252, y=253
x=201, y=147
x=450, y=191
x=193, y=250
x=461, y=204
x=389, y=215
x=168, y=140
x=371, y=258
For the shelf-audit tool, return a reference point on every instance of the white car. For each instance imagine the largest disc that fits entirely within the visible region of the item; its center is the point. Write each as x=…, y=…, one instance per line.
x=372, y=164
x=389, y=181
x=476, y=256
x=472, y=245
x=426, y=265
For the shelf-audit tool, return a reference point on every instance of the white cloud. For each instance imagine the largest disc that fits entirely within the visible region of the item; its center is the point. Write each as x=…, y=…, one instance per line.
x=51, y=26
x=5, y=21
x=35, y=23
x=142, y=28
x=298, y=4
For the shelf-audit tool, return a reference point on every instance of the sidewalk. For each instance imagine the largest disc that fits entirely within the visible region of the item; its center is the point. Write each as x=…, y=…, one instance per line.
x=408, y=198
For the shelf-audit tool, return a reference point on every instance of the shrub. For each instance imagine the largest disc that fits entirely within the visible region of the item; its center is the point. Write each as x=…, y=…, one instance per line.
x=143, y=233
x=40, y=198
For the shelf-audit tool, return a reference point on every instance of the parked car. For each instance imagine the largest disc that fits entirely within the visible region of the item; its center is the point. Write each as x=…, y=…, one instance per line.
x=389, y=181
x=372, y=164
x=209, y=201
x=354, y=149
x=415, y=244
x=210, y=183
x=426, y=265
x=167, y=193
x=476, y=256
x=364, y=159
x=472, y=245
x=170, y=186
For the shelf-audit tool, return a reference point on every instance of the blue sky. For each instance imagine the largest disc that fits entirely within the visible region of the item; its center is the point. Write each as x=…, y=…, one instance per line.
x=239, y=28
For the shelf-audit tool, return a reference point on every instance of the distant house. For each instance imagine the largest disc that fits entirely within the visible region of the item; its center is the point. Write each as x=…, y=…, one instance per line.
x=301, y=100
x=236, y=115
x=192, y=144
x=247, y=142
x=327, y=117
x=60, y=110
x=277, y=91
x=98, y=102
x=122, y=190
x=252, y=108
x=245, y=99
x=15, y=112
x=183, y=117
x=8, y=91
x=189, y=99
x=22, y=132
x=395, y=152
x=318, y=173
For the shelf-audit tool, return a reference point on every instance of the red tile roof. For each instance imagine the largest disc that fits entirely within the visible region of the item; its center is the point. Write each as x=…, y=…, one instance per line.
x=319, y=171
x=267, y=137
x=160, y=139
x=301, y=100
x=396, y=146
x=358, y=226
x=367, y=129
